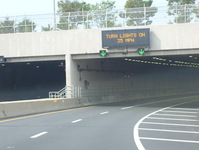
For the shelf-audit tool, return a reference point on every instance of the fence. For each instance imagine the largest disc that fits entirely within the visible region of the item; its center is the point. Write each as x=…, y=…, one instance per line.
x=100, y=19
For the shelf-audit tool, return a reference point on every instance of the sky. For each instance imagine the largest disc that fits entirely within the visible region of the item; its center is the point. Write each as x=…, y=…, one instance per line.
x=22, y=7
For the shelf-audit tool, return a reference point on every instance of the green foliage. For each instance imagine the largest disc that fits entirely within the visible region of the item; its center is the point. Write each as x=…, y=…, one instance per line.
x=181, y=11
x=138, y=3
x=26, y=25
x=66, y=18
x=106, y=19
x=180, y=2
x=48, y=28
x=104, y=5
x=72, y=14
x=7, y=26
x=139, y=12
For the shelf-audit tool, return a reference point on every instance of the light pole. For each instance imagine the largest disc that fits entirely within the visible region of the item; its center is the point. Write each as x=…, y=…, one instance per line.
x=54, y=15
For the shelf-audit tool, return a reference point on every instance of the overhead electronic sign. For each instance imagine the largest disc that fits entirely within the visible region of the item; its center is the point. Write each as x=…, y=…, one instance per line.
x=126, y=38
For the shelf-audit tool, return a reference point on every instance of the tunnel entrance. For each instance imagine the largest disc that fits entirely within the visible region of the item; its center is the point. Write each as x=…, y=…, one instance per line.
x=30, y=80
x=136, y=77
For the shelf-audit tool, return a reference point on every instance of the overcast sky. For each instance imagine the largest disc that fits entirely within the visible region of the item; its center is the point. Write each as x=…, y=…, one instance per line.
x=17, y=7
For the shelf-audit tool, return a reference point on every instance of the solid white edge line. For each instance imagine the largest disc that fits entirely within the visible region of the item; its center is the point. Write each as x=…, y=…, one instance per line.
x=158, y=118
x=169, y=140
x=189, y=116
x=171, y=124
x=173, y=131
x=75, y=121
x=103, y=113
x=192, y=109
x=38, y=135
x=180, y=112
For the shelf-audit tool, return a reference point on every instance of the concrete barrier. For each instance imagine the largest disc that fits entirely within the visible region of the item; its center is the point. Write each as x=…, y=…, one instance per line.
x=26, y=107
x=17, y=108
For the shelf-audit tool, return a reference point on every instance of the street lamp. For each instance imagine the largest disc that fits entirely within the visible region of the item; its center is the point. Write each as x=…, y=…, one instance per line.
x=54, y=15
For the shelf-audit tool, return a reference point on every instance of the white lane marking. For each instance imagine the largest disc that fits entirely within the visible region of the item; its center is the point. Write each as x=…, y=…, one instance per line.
x=10, y=147
x=168, y=140
x=127, y=107
x=38, y=135
x=183, y=112
x=136, y=132
x=190, y=116
x=184, y=109
x=103, y=113
x=171, y=124
x=75, y=121
x=173, y=131
x=171, y=119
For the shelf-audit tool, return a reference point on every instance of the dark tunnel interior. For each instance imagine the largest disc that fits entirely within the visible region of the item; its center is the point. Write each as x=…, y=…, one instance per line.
x=31, y=80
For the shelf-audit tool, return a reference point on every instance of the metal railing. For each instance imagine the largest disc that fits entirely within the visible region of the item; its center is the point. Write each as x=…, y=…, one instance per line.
x=100, y=19
x=66, y=92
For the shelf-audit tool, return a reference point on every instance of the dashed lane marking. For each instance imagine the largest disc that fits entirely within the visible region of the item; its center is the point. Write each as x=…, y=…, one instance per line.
x=124, y=108
x=103, y=113
x=75, y=121
x=38, y=135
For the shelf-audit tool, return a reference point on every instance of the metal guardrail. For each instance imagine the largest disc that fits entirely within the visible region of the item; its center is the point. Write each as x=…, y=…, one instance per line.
x=100, y=19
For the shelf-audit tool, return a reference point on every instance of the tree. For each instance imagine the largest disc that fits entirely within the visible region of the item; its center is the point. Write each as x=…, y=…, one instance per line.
x=103, y=15
x=26, y=25
x=71, y=13
x=139, y=12
x=181, y=10
x=7, y=26
x=180, y=2
x=74, y=14
x=48, y=28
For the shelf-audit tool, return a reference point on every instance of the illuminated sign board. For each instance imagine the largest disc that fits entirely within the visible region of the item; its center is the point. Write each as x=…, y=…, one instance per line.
x=126, y=38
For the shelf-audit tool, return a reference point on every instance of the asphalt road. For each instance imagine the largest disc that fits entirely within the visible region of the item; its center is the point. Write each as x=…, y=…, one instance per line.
x=152, y=124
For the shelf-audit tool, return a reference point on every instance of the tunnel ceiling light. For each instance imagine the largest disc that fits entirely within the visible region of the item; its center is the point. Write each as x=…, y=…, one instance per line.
x=3, y=65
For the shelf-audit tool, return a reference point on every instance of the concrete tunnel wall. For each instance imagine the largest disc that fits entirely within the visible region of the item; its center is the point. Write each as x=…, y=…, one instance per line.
x=145, y=81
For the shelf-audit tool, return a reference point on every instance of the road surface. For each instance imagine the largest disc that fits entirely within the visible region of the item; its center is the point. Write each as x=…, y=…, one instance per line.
x=148, y=124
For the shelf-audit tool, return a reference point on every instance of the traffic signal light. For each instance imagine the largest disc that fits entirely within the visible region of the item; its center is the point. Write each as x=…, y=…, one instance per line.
x=141, y=51
x=103, y=53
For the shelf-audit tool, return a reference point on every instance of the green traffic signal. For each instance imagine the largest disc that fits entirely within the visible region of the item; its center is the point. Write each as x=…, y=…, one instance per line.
x=103, y=53
x=141, y=51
